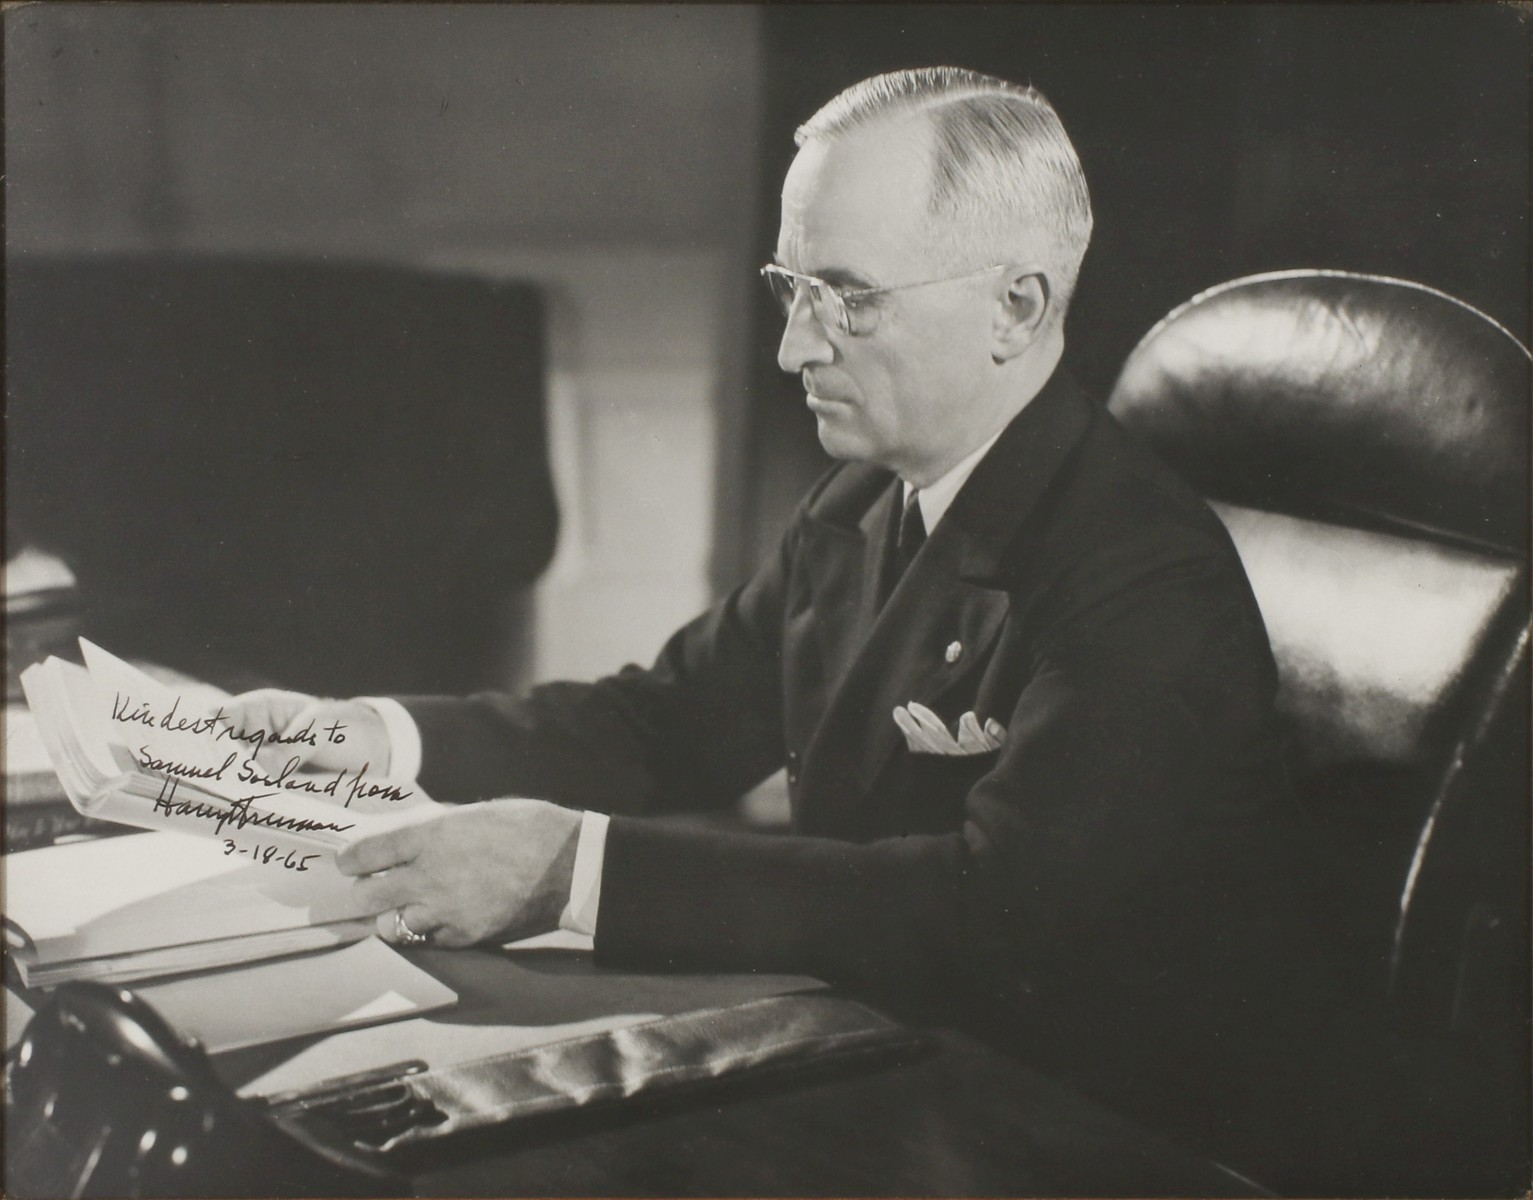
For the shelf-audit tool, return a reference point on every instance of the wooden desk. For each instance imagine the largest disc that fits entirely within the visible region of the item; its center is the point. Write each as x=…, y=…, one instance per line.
x=956, y=1120
x=950, y=1118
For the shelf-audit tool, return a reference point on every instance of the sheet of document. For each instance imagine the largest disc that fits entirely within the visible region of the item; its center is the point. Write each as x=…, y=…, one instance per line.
x=507, y=1001
x=362, y=984
x=140, y=891
x=139, y=751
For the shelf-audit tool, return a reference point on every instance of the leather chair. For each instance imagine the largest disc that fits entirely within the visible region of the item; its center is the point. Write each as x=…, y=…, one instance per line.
x=329, y=476
x=1366, y=442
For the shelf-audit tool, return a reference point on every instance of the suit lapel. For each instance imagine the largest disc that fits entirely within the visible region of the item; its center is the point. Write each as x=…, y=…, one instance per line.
x=953, y=593
x=845, y=560
x=902, y=659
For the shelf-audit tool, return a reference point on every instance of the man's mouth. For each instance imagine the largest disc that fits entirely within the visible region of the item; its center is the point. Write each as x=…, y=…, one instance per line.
x=816, y=400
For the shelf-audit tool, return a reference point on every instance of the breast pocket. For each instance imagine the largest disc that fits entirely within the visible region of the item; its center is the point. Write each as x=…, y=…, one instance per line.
x=934, y=787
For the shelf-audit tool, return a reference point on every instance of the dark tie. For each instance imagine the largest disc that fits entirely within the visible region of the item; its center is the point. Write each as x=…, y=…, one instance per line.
x=905, y=536
x=912, y=531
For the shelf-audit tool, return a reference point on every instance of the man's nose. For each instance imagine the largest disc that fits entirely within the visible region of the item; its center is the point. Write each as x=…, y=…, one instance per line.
x=804, y=342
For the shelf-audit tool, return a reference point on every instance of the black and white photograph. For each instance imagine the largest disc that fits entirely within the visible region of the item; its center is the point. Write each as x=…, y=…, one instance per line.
x=832, y=599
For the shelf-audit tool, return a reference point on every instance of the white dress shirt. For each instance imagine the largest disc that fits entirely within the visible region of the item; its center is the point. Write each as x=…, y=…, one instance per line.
x=935, y=497
x=580, y=912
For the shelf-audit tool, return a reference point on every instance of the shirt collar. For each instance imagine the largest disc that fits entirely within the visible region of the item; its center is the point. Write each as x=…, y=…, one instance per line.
x=938, y=495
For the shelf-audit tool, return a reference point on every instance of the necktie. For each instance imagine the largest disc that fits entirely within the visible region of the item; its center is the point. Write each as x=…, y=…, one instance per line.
x=906, y=536
x=912, y=531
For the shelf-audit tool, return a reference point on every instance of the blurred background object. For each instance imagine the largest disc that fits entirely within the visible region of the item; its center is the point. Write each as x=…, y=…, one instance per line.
x=602, y=156
x=330, y=477
x=41, y=608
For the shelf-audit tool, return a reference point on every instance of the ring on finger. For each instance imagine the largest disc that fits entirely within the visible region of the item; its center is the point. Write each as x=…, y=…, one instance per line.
x=404, y=935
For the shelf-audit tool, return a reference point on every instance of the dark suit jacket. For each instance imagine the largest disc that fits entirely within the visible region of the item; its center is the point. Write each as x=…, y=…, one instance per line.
x=1119, y=863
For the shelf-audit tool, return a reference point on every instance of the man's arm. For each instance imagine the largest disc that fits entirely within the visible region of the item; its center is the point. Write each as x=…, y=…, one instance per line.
x=696, y=730
x=1092, y=795
x=1113, y=810
x=699, y=728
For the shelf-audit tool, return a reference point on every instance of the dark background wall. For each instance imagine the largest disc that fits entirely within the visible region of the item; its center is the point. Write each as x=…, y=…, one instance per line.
x=1219, y=140
x=604, y=154
x=385, y=130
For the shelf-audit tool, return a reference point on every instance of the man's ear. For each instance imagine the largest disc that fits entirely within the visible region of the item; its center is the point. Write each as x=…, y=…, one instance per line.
x=1022, y=312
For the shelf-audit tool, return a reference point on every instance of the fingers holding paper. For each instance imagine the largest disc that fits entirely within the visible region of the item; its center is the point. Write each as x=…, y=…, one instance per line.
x=324, y=735
x=494, y=871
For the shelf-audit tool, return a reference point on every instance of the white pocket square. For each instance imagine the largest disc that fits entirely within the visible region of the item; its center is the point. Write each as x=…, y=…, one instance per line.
x=925, y=732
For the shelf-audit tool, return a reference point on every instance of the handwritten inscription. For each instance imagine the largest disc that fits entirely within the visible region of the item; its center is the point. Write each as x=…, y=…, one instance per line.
x=345, y=785
x=236, y=813
x=267, y=855
x=217, y=726
x=358, y=787
x=168, y=766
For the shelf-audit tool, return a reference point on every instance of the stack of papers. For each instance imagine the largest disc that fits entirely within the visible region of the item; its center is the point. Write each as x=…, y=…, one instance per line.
x=123, y=909
x=363, y=984
x=241, y=866
x=130, y=749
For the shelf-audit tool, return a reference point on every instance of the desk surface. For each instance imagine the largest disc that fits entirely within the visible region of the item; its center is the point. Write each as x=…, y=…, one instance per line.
x=952, y=1118
x=955, y=1120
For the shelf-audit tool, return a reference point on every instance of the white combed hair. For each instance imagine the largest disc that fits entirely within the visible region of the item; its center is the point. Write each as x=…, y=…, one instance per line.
x=1006, y=182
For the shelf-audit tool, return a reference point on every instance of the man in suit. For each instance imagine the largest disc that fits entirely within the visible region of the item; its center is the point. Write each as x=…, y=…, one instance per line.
x=1010, y=662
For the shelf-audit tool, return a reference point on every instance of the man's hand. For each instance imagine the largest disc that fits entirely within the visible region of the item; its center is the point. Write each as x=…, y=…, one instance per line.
x=499, y=870
x=344, y=734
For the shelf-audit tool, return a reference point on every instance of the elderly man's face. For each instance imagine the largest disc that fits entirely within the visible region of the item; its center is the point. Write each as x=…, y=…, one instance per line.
x=909, y=395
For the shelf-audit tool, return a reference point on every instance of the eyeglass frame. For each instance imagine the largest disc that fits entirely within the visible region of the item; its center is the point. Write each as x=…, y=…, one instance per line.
x=840, y=313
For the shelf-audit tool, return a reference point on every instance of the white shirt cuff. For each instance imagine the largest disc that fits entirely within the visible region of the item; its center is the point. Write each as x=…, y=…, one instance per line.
x=404, y=738
x=579, y=915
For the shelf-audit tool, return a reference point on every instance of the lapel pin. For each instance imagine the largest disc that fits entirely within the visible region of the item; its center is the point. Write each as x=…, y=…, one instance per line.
x=953, y=652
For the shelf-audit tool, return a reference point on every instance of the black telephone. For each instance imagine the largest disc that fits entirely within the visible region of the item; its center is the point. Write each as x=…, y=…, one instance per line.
x=103, y=1098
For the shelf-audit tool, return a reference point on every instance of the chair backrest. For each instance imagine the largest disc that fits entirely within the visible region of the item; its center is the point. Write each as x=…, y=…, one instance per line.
x=1366, y=441
x=330, y=474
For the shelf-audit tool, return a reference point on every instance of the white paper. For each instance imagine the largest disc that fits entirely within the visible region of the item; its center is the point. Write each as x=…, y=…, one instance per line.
x=510, y=1002
x=143, y=891
x=131, y=749
x=338, y=989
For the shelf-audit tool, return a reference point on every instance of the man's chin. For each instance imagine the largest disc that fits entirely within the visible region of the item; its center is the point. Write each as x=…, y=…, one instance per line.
x=837, y=441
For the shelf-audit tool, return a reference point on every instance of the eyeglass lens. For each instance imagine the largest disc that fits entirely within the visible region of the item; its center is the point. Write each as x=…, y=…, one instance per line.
x=827, y=306
x=782, y=289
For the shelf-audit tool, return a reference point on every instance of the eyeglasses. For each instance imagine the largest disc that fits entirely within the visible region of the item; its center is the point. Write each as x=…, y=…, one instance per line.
x=845, y=309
